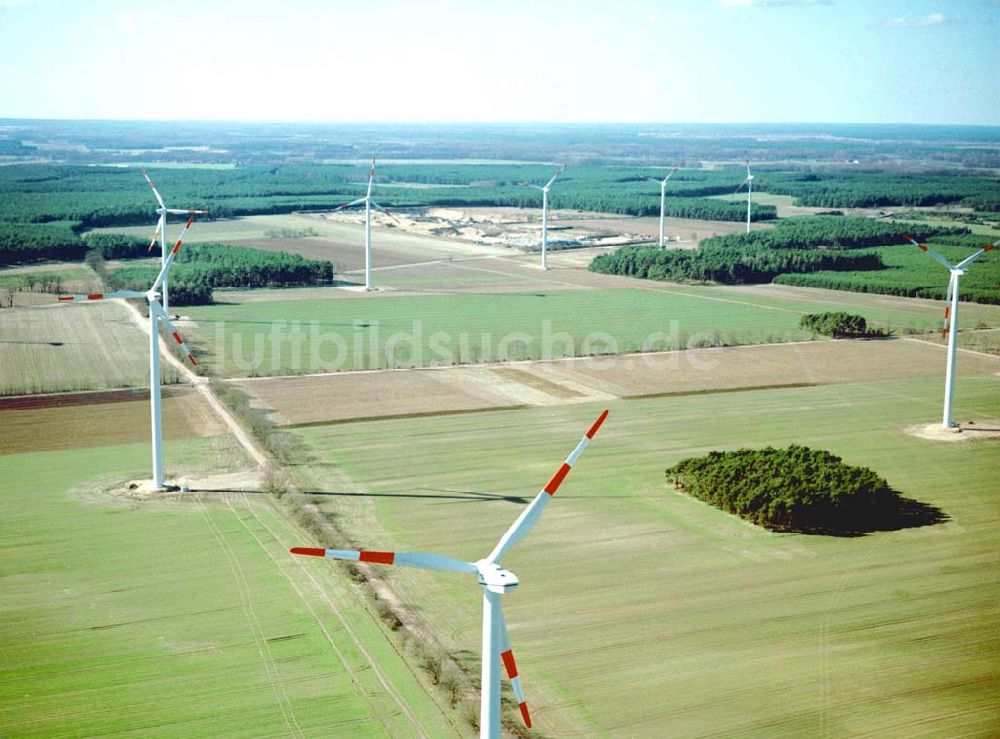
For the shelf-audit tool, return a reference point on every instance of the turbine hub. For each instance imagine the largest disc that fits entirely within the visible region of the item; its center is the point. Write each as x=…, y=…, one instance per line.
x=495, y=578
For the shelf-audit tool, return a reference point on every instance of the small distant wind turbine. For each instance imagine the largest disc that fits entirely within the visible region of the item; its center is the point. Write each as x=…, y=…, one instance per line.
x=950, y=327
x=663, y=201
x=749, y=183
x=369, y=204
x=156, y=313
x=545, y=212
x=161, y=232
x=495, y=581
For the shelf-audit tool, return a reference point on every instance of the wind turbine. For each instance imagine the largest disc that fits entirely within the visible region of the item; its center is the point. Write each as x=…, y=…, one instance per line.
x=950, y=327
x=494, y=579
x=156, y=312
x=369, y=204
x=161, y=232
x=663, y=200
x=545, y=212
x=749, y=183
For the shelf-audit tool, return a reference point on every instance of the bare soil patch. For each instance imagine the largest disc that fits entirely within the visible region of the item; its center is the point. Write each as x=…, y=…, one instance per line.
x=42, y=423
x=963, y=431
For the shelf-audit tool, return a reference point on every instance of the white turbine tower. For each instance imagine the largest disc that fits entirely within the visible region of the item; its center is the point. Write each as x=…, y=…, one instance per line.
x=369, y=204
x=161, y=233
x=663, y=201
x=494, y=579
x=156, y=313
x=950, y=327
x=749, y=183
x=545, y=212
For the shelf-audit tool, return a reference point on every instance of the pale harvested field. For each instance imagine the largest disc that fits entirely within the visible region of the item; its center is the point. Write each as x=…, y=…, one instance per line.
x=73, y=347
x=109, y=421
x=335, y=398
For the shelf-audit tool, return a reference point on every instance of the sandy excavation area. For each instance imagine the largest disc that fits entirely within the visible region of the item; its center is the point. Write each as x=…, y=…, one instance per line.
x=520, y=228
x=341, y=397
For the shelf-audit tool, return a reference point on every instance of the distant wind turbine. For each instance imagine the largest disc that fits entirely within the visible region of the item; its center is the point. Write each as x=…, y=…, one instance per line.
x=494, y=579
x=950, y=327
x=545, y=212
x=156, y=313
x=749, y=183
x=369, y=204
x=161, y=232
x=663, y=201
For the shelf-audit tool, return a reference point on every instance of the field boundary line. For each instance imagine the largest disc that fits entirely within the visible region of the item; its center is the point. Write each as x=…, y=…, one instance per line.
x=516, y=362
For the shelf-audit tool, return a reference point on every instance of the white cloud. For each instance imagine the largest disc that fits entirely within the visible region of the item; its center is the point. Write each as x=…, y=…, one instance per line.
x=928, y=21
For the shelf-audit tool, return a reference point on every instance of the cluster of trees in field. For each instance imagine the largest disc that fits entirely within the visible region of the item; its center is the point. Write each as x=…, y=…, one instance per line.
x=880, y=189
x=714, y=263
x=792, y=489
x=199, y=268
x=838, y=324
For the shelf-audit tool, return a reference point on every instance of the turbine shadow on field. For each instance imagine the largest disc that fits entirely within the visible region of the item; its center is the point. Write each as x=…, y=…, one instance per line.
x=465, y=496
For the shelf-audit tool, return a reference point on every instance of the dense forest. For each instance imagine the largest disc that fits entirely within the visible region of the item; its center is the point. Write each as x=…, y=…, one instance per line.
x=199, y=268
x=793, y=489
x=748, y=265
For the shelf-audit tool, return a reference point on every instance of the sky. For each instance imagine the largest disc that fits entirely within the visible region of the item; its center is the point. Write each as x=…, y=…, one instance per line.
x=712, y=61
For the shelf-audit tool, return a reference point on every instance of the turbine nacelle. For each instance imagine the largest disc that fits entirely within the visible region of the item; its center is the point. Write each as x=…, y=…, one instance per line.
x=495, y=578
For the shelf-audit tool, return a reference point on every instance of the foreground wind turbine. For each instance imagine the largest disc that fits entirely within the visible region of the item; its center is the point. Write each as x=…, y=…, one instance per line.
x=369, y=204
x=156, y=313
x=749, y=183
x=663, y=201
x=950, y=327
x=495, y=581
x=161, y=233
x=545, y=212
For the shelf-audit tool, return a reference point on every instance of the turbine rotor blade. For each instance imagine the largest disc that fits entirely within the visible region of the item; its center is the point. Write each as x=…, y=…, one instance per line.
x=549, y=183
x=422, y=560
x=101, y=296
x=186, y=211
x=371, y=178
x=530, y=515
x=350, y=204
x=154, y=305
x=156, y=234
x=969, y=260
x=947, y=307
x=153, y=188
x=672, y=173
x=172, y=255
x=930, y=252
x=507, y=657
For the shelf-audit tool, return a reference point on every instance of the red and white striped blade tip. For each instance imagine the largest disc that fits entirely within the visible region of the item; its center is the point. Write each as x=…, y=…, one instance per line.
x=310, y=551
x=524, y=714
x=597, y=425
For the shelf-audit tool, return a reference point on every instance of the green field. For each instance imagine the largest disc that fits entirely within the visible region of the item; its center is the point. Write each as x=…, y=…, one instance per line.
x=642, y=612
x=267, y=337
x=73, y=347
x=180, y=617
